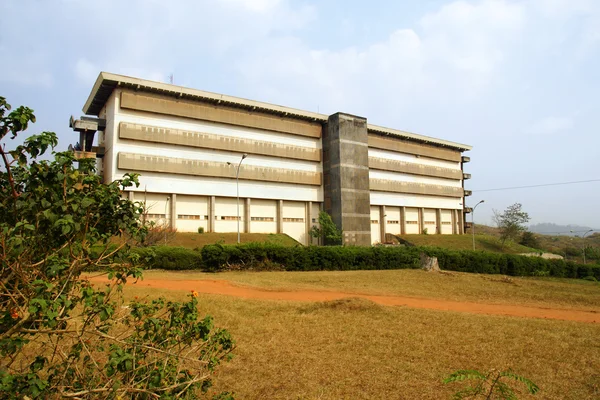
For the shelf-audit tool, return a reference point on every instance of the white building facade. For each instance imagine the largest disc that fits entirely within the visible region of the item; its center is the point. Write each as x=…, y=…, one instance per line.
x=186, y=145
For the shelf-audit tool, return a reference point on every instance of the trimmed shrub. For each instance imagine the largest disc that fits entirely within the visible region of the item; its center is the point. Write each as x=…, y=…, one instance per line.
x=269, y=256
x=169, y=258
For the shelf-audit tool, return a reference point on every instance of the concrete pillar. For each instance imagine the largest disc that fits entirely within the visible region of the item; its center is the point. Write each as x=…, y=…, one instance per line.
x=346, y=177
x=461, y=222
x=454, y=217
x=438, y=221
x=173, y=211
x=402, y=220
x=308, y=218
x=421, y=219
x=248, y=219
x=279, y=216
x=211, y=214
x=130, y=195
x=382, y=223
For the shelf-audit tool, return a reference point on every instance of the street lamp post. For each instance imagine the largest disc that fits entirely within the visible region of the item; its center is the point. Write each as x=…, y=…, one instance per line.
x=473, y=221
x=583, y=239
x=166, y=220
x=237, y=187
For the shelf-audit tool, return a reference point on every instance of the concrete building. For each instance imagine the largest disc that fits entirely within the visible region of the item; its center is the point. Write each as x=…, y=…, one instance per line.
x=187, y=144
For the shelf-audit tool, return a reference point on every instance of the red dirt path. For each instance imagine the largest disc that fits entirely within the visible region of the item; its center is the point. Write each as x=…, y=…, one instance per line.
x=226, y=288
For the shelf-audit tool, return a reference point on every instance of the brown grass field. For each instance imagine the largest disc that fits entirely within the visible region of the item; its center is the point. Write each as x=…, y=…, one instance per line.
x=355, y=349
x=465, y=242
x=192, y=240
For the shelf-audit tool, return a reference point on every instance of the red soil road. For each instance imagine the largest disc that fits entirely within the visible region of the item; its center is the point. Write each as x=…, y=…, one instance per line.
x=226, y=288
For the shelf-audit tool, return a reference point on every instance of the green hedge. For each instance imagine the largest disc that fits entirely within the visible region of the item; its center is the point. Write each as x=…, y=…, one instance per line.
x=170, y=258
x=261, y=256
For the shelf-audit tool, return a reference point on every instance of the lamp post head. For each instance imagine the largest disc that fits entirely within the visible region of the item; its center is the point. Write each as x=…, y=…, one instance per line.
x=244, y=156
x=228, y=163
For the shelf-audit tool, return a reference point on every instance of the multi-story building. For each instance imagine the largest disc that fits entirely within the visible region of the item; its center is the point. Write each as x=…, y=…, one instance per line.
x=188, y=145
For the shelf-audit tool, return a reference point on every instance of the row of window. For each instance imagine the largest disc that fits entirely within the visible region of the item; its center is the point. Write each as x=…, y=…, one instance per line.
x=225, y=218
x=396, y=222
x=188, y=216
x=262, y=219
x=293, y=220
x=155, y=216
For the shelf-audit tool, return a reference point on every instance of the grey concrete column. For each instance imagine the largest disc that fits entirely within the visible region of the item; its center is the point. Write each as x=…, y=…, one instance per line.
x=173, y=211
x=247, y=218
x=421, y=219
x=403, y=220
x=211, y=214
x=308, y=216
x=279, y=216
x=454, y=222
x=382, y=223
x=461, y=222
x=438, y=221
x=346, y=177
x=130, y=195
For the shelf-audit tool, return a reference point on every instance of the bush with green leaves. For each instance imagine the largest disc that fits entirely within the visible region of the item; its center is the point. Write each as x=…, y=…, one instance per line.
x=59, y=335
x=491, y=385
x=169, y=258
x=261, y=256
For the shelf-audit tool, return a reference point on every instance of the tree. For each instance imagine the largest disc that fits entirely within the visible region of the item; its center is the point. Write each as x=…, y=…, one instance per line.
x=511, y=222
x=530, y=240
x=327, y=230
x=59, y=335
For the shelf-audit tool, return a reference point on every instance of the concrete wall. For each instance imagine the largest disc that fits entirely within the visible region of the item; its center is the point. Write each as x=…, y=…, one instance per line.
x=263, y=215
x=375, y=225
x=191, y=213
x=260, y=174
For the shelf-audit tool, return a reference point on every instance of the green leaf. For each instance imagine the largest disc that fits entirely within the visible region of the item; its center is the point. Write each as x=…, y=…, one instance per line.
x=86, y=202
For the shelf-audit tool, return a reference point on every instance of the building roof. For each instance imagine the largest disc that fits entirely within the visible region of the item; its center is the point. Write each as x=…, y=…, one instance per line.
x=107, y=82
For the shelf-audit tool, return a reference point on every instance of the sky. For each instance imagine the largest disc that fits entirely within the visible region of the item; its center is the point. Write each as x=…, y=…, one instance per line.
x=516, y=79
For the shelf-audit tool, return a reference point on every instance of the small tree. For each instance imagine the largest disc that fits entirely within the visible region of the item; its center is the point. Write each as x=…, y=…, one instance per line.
x=491, y=385
x=61, y=337
x=530, y=240
x=327, y=230
x=511, y=222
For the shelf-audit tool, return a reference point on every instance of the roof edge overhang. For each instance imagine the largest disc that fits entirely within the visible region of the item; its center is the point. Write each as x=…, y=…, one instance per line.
x=107, y=82
x=418, y=138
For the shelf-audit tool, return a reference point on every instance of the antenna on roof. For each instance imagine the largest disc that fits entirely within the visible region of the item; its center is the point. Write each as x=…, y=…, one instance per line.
x=171, y=79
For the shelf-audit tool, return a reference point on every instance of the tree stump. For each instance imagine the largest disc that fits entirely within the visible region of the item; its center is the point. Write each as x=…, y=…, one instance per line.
x=429, y=263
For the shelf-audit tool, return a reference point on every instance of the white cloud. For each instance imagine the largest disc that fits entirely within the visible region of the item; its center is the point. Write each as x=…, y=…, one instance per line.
x=255, y=5
x=550, y=126
x=452, y=54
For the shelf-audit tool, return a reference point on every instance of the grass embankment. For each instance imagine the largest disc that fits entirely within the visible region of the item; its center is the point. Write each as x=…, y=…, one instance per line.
x=192, y=240
x=465, y=242
x=356, y=349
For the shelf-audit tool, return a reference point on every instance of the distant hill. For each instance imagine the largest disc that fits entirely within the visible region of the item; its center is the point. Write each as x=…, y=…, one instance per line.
x=554, y=229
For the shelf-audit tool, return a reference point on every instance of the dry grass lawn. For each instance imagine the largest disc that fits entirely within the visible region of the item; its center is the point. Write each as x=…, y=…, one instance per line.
x=465, y=242
x=355, y=349
x=490, y=289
